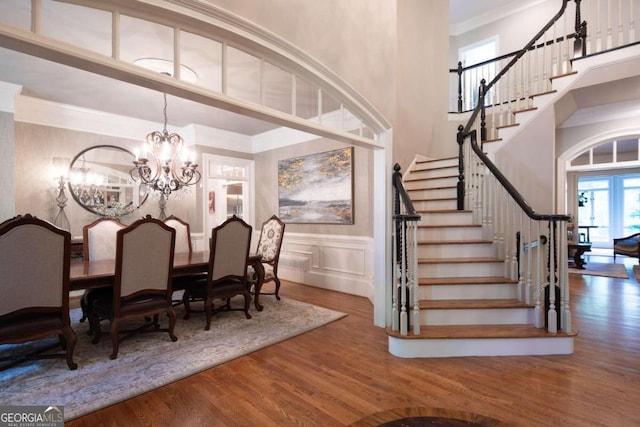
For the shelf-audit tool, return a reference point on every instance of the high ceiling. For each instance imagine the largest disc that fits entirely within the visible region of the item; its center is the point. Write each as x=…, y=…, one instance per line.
x=52, y=81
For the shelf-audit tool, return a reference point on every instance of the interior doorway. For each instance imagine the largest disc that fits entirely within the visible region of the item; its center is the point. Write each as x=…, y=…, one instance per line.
x=228, y=187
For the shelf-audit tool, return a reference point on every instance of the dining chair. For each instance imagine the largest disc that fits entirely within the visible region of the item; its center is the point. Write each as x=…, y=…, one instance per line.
x=99, y=242
x=34, y=283
x=142, y=284
x=183, y=245
x=226, y=274
x=269, y=244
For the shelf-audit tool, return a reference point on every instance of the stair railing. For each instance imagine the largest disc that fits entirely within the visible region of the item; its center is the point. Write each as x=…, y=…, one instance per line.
x=517, y=231
x=405, y=260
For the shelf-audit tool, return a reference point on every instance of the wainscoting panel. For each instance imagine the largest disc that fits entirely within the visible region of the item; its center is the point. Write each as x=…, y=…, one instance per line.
x=340, y=263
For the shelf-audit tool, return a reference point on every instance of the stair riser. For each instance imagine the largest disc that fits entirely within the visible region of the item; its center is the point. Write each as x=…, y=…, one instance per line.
x=507, y=316
x=446, y=218
x=434, y=205
x=435, y=164
x=439, y=193
x=471, y=292
x=432, y=173
x=456, y=250
x=449, y=233
x=474, y=269
x=464, y=347
x=431, y=183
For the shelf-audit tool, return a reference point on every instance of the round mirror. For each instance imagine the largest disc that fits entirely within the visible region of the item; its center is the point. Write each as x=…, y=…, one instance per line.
x=99, y=181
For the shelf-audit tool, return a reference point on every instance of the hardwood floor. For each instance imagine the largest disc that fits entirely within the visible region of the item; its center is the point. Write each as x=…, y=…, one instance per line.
x=339, y=373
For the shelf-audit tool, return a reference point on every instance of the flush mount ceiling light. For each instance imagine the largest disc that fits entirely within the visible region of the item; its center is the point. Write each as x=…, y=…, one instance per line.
x=164, y=66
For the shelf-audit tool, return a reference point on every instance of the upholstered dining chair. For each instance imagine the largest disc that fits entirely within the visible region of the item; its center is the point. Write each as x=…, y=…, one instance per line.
x=226, y=275
x=269, y=244
x=142, y=285
x=99, y=242
x=183, y=245
x=34, y=284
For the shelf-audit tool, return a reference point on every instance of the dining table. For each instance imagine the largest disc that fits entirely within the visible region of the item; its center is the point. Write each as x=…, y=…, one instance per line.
x=101, y=273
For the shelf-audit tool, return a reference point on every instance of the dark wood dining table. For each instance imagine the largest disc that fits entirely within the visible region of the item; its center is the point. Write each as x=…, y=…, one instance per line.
x=98, y=274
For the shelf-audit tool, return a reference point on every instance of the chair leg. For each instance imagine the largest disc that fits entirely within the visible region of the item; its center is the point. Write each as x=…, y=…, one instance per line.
x=207, y=309
x=70, y=340
x=277, y=288
x=172, y=323
x=247, y=304
x=114, y=339
x=94, y=326
x=85, y=309
x=187, y=306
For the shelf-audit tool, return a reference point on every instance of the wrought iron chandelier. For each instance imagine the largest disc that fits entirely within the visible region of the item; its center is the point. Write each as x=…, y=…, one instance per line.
x=170, y=167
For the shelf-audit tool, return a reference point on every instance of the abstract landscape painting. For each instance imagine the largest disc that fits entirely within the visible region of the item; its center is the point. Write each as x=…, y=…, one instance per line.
x=317, y=188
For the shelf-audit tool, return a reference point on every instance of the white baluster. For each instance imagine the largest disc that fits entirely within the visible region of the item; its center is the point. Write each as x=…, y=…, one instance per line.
x=632, y=30
x=609, y=27
x=537, y=295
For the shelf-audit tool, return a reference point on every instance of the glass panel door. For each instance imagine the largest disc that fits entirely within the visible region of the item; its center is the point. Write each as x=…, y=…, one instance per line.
x=228, y=189
x=594, y=210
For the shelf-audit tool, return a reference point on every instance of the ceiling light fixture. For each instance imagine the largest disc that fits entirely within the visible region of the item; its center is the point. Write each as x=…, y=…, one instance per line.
x=164, y=66
x=164, y=165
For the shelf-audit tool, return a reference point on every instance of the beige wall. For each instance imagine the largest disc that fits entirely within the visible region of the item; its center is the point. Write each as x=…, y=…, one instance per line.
x=36, y=188
x=266, y=191
x=393, y=52
x=7, y=202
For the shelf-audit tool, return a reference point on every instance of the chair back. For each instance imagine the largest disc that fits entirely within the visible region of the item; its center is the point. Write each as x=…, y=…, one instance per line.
x=34, y=266
x=183, y=233
x=144, y=259
x=270, y=240
x=100, y=239
x=230, y=242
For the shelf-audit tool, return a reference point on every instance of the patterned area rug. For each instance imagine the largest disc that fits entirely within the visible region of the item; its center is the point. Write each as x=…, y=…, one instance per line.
x=602, y=269
x=148, y=361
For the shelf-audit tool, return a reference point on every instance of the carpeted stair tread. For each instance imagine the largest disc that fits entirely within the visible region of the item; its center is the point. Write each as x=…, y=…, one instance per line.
x=480, y=331
x=466, y=280
x=466, y=304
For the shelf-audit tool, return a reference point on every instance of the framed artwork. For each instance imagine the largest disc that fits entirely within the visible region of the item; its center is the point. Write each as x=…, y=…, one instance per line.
x=317, y=188
x=212, y=201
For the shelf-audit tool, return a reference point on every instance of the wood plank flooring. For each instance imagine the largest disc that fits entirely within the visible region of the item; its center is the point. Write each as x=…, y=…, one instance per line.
x=341, y=372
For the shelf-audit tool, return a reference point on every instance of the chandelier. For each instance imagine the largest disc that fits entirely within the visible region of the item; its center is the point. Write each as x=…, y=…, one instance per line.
x=170, y=168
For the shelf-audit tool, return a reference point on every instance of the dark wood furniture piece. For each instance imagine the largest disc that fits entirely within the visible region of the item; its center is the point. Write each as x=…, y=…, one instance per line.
x=99, y=242
x=97, y=274
x=576, y=250
x=269, y=245
x=627, y=246
x=227, y=270
x=34, y=284
x=142, y=285
x=183, y=245
x=585, y=237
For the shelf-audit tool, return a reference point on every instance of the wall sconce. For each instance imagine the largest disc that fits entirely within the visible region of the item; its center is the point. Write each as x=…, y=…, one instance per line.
x=61, y=172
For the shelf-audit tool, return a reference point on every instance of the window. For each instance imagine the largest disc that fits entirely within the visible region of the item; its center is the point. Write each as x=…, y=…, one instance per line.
x=611, y=205
x=472, y=55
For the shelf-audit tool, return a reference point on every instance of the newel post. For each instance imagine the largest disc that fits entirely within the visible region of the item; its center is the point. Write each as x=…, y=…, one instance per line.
x=460, y=186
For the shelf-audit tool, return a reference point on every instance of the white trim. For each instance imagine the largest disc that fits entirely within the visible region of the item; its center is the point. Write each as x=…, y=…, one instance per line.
x=8, y=93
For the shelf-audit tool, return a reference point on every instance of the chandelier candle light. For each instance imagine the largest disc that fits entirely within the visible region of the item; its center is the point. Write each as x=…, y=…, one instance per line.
x=163, y=172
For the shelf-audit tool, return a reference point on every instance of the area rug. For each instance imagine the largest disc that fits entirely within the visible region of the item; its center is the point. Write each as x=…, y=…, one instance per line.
x=602, y=269
x=148, y=361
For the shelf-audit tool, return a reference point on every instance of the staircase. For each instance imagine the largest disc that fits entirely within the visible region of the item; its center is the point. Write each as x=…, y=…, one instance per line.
x=468, y=305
